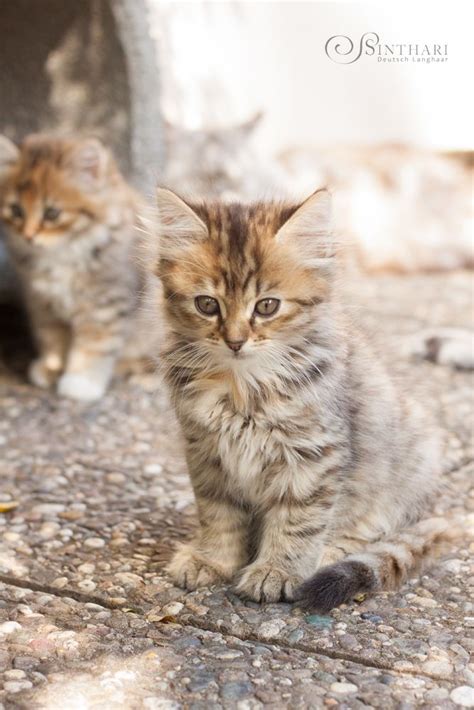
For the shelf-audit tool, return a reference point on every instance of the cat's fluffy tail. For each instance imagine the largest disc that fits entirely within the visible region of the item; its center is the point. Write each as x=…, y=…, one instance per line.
x=382, y=565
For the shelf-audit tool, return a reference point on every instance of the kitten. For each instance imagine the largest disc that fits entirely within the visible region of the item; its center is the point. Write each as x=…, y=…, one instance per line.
x=220, y=162
x=304, y=457
x=70, y=217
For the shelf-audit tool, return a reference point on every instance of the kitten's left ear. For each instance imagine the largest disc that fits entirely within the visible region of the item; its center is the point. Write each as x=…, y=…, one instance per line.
x=88, y=161
x=309, y=229
x=9, y=154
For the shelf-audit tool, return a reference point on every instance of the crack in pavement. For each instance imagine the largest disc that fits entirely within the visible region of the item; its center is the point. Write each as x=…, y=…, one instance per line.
x=223, y=629
x=81, y=597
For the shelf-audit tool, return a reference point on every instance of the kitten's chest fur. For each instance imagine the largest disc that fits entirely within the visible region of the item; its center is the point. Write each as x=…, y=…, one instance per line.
x=259, y=447
x=59, y=278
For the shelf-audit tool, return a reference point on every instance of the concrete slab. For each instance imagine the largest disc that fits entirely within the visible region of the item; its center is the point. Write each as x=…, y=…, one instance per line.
x=61, y=653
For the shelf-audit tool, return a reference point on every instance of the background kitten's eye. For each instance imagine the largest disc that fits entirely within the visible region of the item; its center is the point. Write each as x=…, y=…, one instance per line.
x=16, y=210
x=267, y=306
x=51, y=214
x=207, y=305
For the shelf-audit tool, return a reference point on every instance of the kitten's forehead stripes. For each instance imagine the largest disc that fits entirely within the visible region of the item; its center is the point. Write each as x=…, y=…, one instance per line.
x=237, y=232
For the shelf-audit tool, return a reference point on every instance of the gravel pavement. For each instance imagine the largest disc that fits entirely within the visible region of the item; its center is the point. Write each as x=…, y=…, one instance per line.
x=98, y=498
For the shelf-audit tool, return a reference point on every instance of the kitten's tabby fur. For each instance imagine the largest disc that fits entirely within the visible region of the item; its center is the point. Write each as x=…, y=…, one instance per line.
x=304, y=456
x=70, y=232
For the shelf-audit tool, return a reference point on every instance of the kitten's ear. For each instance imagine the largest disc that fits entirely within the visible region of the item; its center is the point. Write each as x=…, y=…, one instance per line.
x=251, y=124
x=87, y=161
x=309, y=229
x=9, y=154
x=180, y=226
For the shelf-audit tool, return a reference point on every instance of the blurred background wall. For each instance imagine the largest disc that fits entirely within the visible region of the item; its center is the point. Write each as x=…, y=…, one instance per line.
x=223, y=61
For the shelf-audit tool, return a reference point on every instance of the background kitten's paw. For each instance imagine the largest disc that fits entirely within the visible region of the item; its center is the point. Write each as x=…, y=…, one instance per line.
x=267, y=583
x=81, y=387
x=190, y=571
x=41, y=374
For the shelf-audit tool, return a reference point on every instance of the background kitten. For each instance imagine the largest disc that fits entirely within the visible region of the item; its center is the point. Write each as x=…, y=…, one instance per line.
x=398, y=208
x=401, y=208
x=303, y=454
x=220, y=162
x=70, y=232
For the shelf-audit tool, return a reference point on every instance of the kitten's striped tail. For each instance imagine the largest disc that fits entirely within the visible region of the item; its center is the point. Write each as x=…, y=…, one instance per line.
x=383, y=565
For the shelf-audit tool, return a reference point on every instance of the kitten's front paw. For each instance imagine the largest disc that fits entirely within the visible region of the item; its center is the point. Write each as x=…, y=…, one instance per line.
x=267, y=583
x=81, y=387
x=190, y=570
x=44, y=372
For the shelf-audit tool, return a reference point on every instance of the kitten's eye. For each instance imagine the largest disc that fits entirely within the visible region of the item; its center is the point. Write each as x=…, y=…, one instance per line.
x=207, y=305
x=267, y=306
x=16, y=210
x=51, y=214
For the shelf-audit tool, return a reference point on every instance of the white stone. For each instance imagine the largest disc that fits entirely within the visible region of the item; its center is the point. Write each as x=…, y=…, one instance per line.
x=94, y=542
x=343, y=688
x=116, y=477
x=16, y=686
x=48, y=508
x=463, y=695
x=48, y=530
x=453, y=566
x=87, y=585
x=128, y=579
x=172, y=609
x=8, y=627
x=436, y=695
x=425, y=602
x=153, y=469
x=86, y=568
x=249, y=704
x=437, y=667
x=270, y=629
x=11, y=536
x=151, y=703
x=15, y=674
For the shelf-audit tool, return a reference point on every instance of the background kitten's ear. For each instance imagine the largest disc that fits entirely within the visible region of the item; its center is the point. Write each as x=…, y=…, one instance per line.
x=251, y=123
x=9, y=154
x=310, y=229
x=180, y=226
x=87, y=161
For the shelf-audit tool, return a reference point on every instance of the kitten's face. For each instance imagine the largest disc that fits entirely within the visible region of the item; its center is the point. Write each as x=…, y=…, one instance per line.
x=239, y=288
x=46, y=188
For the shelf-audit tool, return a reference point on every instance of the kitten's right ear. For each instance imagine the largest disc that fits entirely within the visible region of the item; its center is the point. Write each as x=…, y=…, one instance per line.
x=87, y=161
x=180, y=226
x=9, y=154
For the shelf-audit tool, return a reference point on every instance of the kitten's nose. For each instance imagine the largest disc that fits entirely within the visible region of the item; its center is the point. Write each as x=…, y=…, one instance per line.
x=235, y=345
x=30, y=233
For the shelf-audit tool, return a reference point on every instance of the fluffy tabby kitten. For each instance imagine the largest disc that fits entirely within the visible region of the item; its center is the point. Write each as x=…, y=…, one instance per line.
x=70, y=230
x=304, y=457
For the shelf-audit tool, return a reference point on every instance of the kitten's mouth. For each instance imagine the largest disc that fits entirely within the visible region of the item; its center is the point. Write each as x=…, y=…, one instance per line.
x=235, y=357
